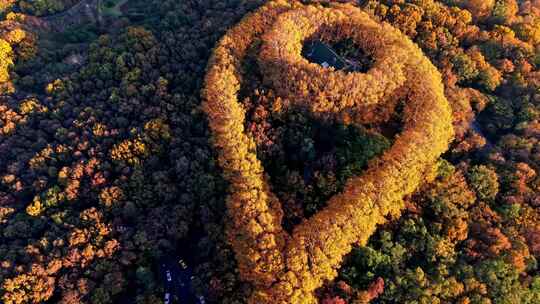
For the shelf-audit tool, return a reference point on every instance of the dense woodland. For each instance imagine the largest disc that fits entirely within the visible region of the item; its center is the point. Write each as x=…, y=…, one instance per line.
x=108, y=163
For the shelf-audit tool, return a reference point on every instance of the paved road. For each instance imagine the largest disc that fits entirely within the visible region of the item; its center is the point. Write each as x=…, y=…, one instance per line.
x=177, y=279
x=84, y=12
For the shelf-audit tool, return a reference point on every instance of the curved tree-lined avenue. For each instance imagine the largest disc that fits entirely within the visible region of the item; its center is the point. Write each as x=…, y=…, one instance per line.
x=287, y=268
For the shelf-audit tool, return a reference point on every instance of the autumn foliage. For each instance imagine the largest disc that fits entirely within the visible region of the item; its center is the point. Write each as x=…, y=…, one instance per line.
x=109, y=165
x=287, y=268
x=326, y=90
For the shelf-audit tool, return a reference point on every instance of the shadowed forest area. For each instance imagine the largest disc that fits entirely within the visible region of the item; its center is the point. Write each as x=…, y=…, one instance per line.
x=113, y=161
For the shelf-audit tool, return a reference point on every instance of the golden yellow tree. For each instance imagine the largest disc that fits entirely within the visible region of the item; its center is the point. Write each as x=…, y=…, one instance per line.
x=6, y=60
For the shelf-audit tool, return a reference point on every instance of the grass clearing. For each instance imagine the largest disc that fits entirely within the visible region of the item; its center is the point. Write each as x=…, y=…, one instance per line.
x=113, y=7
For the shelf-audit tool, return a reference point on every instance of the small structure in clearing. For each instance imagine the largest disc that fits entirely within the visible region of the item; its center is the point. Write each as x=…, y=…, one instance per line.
x=323, y=54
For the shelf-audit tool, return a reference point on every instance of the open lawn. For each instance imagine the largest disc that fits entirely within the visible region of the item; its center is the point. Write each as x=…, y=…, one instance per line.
x=113, y=7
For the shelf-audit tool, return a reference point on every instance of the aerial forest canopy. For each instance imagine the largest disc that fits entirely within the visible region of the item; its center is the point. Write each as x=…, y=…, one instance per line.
x=145, y=144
